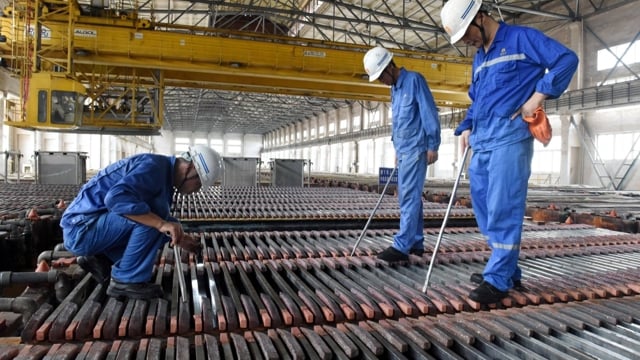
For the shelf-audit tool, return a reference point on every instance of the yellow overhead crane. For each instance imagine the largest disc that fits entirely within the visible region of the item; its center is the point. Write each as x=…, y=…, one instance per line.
x=107, y=74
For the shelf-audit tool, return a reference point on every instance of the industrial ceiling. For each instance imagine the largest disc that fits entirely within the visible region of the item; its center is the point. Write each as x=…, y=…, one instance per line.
x=408, y=25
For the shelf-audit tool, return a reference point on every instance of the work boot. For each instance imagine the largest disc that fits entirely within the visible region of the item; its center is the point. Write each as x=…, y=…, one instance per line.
x=144, y=291
x=477, y=278
x=391, y=255
x=417, y=249
x=487, y=294
x=99, y=266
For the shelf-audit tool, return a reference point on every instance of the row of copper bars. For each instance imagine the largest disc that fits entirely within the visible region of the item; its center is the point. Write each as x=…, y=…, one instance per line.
x=291, y=203
x=232, y=203
x=592, y=329
x=241, y=203
x=299, y=294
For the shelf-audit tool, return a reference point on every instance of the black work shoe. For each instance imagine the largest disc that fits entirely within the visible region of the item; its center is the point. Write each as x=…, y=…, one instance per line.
x=417, y=252
x=98, y=266
x=143, y=291
x=487, y=294
x=477, y=278
x=392, y=255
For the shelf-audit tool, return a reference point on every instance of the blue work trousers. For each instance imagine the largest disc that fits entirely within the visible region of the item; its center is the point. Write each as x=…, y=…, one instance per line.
x=498, y=183
x=412, y=170
x=131, y=246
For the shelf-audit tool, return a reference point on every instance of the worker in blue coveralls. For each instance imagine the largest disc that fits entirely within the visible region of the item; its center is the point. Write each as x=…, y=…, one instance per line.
x=514, y=70
x=121, y=217
x=415, y=135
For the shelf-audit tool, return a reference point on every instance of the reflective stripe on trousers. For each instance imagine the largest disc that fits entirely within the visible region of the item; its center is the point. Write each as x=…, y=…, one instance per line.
x=499, y=181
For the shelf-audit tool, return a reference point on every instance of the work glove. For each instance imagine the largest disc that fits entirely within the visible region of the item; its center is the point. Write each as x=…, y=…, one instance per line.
x=539, y=126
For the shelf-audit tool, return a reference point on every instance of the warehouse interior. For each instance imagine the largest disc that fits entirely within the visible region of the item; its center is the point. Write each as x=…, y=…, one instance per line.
x=291, y=231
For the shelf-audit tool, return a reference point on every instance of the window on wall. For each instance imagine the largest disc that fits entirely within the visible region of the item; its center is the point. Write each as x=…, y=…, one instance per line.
x=321, y=130
x=356, y=122
x=343, y=126
x=234, y=147
x=374, y=118
x=217, y=145
x=201, y=141
x=615, y=146
x=182, y=145
x=547, y=159
x=629, y=55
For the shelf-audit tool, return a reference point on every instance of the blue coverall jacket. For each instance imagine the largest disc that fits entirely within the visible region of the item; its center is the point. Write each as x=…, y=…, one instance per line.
x=94, y=223
x=415, y=129
x=519, y=62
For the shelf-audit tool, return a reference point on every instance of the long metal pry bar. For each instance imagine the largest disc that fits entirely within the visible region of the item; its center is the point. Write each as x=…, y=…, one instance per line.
x=366, y=226
x=444, y=221
x=181, y=281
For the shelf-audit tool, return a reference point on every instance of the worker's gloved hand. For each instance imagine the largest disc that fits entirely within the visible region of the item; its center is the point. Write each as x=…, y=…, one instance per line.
x=190, y=244
x=539, y=126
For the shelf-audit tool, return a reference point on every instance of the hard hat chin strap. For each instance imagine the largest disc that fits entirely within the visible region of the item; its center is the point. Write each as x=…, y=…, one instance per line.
x=187, y=178
x=481, y=28
x=389, y=69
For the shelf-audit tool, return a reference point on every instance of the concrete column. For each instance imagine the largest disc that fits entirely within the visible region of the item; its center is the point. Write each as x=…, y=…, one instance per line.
x=349, y=116
x=576, y=31
x=576, y=154
x=3, y=102
x=386, y=119
x=565, y=151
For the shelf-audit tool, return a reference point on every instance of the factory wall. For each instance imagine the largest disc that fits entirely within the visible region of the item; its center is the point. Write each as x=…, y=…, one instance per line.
x=599, y=32
x=615, y=27
x=616, y=131
x=568, y=161
x=229, y=144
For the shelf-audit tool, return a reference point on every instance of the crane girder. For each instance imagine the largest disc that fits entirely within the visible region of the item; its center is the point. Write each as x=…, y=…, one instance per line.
x=82, y=47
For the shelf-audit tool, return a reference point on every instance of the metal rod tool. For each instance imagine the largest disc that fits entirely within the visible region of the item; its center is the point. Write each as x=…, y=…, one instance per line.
x=181, y=281
x=366, y=226
x=444, y=221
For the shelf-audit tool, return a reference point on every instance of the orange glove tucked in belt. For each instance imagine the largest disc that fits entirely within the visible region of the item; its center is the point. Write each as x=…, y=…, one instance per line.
x=539, y=126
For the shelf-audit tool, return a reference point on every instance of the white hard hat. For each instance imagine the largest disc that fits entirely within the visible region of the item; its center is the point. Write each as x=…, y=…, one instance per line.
x=208, y=164
x=456, y=15
x=375, y=61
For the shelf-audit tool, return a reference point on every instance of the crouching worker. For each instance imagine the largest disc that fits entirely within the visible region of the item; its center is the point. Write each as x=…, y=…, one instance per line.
x=121, y=217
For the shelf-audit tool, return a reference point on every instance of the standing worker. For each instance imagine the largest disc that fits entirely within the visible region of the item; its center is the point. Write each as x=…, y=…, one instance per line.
x=416, y=138
x=122, y=217
x=514, y=70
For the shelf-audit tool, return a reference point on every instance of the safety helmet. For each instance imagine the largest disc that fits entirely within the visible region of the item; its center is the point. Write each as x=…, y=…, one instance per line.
x=457, y=15
x=208, y=164
x=375, y=61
